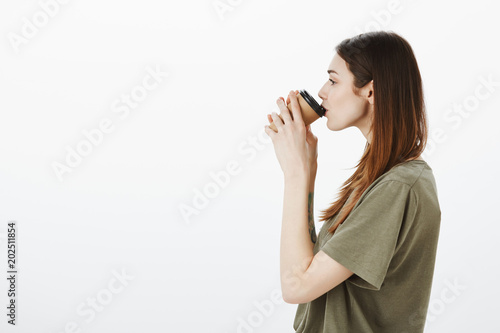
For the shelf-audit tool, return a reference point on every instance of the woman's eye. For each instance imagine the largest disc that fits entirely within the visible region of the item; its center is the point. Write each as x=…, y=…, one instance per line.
x=333, y=82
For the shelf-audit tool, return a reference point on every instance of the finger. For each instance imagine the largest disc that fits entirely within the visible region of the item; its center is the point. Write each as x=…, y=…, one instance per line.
x=285, y=113
x=269, y=132
x=269, y=118
x=277, y=120
x=288, y=97
x=297, y=116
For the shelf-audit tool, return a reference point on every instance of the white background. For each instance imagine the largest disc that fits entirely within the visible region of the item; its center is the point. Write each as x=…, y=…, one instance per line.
x=119, y=209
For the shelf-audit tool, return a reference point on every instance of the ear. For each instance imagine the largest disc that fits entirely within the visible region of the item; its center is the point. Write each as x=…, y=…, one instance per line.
x=369, y=92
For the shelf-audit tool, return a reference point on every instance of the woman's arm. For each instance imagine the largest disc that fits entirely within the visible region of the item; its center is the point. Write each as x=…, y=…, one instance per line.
x=296, y=248
x=304, y=277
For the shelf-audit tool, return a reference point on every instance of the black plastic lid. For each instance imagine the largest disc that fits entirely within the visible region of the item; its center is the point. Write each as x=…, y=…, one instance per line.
x=312, y=102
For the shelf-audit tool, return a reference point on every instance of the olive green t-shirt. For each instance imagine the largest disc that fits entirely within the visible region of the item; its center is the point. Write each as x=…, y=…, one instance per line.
x=389, y=242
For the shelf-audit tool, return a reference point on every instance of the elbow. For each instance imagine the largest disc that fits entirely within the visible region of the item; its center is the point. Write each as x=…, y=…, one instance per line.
x=289, y=300
x=292, y=289
x=292, y=300
x=292, y=295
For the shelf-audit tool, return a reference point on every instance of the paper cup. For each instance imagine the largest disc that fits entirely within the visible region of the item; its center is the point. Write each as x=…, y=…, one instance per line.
x=310, y=109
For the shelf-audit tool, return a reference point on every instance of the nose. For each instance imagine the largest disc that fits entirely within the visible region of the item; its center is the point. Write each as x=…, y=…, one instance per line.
x=321, y=93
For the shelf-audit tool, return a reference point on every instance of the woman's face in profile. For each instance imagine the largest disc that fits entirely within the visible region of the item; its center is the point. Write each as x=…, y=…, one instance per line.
x=345, y=109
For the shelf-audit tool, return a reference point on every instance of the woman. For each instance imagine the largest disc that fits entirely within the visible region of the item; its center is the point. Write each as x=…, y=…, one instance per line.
x=371, y=267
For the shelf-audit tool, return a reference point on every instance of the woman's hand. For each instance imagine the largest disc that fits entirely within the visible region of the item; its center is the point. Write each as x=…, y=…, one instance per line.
x=295, y=145
x=312, y=142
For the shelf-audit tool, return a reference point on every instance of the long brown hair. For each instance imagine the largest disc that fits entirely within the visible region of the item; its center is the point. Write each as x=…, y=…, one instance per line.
x=399, y=124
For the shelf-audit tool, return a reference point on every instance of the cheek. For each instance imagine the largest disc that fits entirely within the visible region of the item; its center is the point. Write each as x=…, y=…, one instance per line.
x=337, y=98
x=343, y=106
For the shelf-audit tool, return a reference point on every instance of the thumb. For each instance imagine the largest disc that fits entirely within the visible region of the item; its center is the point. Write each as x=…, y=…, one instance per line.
x=309, y=133
x=309, y=130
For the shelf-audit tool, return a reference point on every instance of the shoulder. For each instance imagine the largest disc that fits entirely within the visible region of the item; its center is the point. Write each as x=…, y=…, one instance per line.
x=408, y=173
x=409, y=178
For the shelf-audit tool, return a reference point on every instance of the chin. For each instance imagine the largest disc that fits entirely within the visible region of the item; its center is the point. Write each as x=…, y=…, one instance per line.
x=332, y=127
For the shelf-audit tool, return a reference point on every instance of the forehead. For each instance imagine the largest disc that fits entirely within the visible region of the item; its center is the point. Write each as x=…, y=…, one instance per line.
x=339, y=65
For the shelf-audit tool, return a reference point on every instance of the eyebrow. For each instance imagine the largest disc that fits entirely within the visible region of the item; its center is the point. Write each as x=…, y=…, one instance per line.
x=330, y=71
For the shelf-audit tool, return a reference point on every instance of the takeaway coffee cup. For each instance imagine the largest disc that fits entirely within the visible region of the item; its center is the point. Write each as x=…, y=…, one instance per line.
x=311, y=110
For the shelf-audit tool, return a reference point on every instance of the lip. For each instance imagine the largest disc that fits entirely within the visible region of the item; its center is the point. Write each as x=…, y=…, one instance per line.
x=326, y=110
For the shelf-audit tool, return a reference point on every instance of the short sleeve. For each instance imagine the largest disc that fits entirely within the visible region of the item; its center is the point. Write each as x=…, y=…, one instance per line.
x=365, y=242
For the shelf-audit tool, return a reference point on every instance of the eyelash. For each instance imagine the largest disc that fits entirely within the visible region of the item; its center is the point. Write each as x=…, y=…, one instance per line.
x=333, y=82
